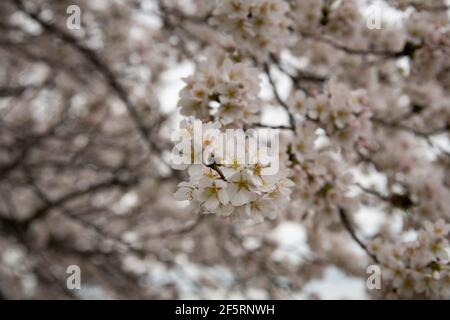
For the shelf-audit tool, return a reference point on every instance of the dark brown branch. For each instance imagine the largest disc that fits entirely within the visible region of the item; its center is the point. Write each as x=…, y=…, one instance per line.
x=407, y=51
x=347, y=225
x=373, y=192
x=12, y=91
x=278, y=97
x=421, y=134
x=188, y=227
x=422, y=6
x=216, y=168
x=300, y=75
x=281, y=127
x=402, y=127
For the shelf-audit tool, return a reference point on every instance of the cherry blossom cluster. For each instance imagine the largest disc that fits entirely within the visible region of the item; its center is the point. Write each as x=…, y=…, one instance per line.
x=321, y=179
x=258, y=27
x=343, y=114
x=345, y=20
x=416, y=269
x=424, y=191
x=429, y=186
x=228, y=182
x=308, y=14
x=221, y=89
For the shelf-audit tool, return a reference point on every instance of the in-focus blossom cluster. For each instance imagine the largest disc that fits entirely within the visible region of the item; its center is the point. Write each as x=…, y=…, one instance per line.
x=258, y=27
x=417, y=269
x=221, y=89
x=232, y=183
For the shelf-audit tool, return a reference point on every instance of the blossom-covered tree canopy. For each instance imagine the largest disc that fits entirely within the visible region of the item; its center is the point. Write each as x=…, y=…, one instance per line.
x=112, y=156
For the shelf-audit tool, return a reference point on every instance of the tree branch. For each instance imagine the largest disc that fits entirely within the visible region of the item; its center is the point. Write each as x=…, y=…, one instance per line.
x=346, y=223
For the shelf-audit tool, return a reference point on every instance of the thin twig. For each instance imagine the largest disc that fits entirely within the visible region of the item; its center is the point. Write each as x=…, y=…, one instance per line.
x=278, y=97
x=346, y=223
